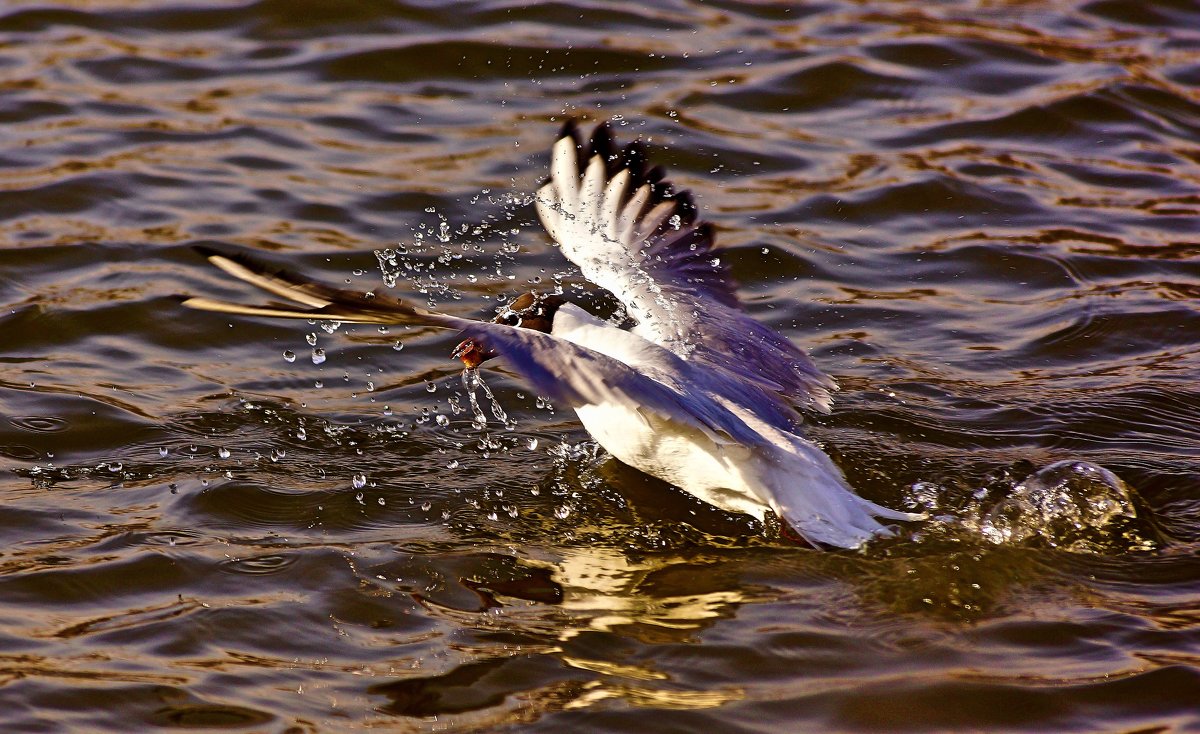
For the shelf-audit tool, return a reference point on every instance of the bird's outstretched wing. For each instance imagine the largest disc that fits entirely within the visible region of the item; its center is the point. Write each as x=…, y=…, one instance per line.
x=630, y=233
x=565, y=372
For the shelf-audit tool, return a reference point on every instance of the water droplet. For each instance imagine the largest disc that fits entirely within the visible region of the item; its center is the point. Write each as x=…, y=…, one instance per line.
x=318, y=355
x=533, y=444
x=289, y=356
x=398, y=346
x=562, y=512
x=370, y=386
x=358, y=481
x=426, y=505
x=452, y=464
x=318, y=383
x=430, y=387
x=311, y=339
x=223, y=452
x=115, y=466
x=163, y=451
x=301, y=434
x=442, y=420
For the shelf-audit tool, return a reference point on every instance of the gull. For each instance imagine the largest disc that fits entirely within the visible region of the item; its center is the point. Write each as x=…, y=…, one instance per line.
x=697, y=393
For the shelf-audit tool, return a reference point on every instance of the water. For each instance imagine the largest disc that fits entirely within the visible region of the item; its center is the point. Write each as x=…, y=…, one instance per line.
x=981, y=218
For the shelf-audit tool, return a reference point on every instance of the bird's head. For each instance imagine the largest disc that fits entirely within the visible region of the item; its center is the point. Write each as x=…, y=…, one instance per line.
x=527, y=311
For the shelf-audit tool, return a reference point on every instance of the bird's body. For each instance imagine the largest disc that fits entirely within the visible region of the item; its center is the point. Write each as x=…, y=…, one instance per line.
x=697, y=394
x=776, y=471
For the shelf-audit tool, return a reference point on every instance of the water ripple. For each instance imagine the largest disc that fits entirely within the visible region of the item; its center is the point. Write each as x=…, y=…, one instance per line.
x=40, y=423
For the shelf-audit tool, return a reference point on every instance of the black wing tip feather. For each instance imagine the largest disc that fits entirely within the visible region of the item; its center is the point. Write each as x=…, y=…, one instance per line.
x=601, y=143
x=255, y=265
x=634, y=158
x=338, y=298
x=208, y=252
x=685, y=207
x=569, y=129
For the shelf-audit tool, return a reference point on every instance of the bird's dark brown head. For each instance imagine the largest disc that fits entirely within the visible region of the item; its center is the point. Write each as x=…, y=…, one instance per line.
x=527, y=311
x=530, y=311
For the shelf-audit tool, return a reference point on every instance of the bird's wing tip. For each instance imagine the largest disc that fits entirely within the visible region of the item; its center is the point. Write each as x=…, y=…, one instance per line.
x=208, y=252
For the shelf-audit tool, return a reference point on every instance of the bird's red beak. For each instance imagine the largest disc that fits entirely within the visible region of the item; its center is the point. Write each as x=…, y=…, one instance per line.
x=472, y=354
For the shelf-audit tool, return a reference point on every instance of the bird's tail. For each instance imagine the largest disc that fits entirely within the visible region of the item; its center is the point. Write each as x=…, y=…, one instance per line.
x=319, y=301
x=810, y=493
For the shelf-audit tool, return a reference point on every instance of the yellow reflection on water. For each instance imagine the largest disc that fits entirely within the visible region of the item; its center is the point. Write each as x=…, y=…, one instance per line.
x=655, y=697
x=607, y=589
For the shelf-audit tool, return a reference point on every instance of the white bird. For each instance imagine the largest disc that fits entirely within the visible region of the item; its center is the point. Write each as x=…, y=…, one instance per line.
x=697, y=393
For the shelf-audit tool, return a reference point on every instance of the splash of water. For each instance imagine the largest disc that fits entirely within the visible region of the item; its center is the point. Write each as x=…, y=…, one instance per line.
x=1070, y=505
x=472, y=381
x=390, y=265
x=1073, y=505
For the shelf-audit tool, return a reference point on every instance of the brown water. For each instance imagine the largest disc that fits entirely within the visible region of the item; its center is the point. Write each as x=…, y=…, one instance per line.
x=982, y=218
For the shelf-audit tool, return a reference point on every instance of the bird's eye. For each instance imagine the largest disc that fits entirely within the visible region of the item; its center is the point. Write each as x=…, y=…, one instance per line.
x=512, y=319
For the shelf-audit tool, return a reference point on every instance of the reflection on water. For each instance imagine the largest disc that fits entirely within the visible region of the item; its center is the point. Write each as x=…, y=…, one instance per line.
x=981, y=219
x=557, y=609
x=611, y=591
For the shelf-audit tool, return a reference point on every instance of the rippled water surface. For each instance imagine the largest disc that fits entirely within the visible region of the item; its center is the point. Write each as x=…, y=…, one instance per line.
x=982, y=218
